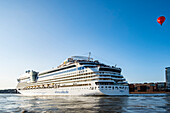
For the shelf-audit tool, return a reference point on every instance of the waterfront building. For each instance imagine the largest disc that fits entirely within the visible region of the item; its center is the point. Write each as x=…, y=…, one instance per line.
x=158, y=87
x=167, y=73
x=146, y=87
x=161, y=86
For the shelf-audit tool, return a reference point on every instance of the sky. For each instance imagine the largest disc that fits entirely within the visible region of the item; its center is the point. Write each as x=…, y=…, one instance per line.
x=40, y=34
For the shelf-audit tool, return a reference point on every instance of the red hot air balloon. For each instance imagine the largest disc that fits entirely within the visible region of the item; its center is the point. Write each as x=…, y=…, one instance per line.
x=161, y=20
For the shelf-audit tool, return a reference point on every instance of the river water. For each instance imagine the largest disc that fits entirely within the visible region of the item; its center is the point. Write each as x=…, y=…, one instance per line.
x=17, y=103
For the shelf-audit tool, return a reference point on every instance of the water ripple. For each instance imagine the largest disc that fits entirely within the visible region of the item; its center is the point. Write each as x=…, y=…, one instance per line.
x=84, y=104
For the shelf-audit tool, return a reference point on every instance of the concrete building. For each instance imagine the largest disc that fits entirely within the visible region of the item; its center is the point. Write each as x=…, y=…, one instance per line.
x=167, y=73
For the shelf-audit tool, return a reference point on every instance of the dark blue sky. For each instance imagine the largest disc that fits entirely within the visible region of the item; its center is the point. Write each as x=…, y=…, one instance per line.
x=41, y=34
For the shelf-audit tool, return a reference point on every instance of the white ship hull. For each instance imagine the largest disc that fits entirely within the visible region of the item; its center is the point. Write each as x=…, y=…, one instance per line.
x=75, y=91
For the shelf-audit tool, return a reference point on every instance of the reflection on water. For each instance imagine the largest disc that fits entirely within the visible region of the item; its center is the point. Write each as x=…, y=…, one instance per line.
x=91, y=104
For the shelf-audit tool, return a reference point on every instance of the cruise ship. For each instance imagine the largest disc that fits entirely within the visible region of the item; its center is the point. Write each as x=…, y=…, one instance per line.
x=77, y=75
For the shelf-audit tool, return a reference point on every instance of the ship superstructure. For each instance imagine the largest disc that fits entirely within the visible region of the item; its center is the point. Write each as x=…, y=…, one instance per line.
x=77, y=75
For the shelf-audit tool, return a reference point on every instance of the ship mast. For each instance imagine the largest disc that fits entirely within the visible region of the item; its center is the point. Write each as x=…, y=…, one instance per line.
x=89, y=56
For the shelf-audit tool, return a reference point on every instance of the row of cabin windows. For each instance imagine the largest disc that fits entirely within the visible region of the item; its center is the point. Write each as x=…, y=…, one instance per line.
x=108, y=73
x=58, y=73
x=73, y=75
x=108, y=69
x=58, y=69
x=81, y=77
x=84, y=79
x=76, y=72
x=84, y=74
x=82, y=71
x=68, y=76
x=54, y=86
x=105, y=87
x=94, y=88
x=108, y=87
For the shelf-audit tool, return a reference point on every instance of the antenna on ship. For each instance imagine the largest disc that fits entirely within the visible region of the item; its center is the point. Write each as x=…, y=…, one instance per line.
x=89, y=56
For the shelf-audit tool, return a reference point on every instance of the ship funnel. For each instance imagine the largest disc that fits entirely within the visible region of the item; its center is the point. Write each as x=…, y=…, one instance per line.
x=33, y=76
